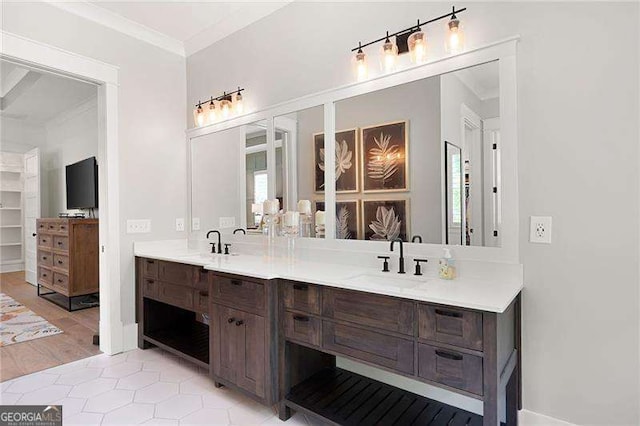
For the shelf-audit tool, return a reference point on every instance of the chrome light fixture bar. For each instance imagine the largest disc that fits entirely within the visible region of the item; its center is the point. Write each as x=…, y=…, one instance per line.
x=220, y=107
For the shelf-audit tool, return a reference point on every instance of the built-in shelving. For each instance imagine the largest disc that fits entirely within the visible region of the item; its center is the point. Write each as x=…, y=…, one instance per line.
x=11, y=215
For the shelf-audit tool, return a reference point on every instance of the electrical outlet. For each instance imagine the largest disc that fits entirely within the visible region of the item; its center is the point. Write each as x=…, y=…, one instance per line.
x=227, y=222
x=180, y=224
x=540, y=229
x=138, y=226
x=195, y=224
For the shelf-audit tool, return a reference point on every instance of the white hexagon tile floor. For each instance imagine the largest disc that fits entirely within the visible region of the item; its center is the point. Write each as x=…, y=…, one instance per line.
x=150, y=387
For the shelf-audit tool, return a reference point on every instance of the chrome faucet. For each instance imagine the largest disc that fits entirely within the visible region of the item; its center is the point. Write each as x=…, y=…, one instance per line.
x=219, y=243
x=401, y=263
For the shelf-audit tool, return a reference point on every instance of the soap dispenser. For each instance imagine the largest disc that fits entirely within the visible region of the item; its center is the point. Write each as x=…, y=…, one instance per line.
x=447, y=268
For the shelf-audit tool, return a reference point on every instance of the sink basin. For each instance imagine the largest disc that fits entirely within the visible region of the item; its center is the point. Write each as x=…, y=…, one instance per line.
x=387, y=281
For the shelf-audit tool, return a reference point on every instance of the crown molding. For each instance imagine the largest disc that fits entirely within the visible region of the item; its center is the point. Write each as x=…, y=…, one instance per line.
x=121, y=24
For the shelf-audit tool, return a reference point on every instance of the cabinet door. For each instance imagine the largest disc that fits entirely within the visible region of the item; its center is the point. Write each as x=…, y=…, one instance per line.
x=224, y=347
x=250, y=335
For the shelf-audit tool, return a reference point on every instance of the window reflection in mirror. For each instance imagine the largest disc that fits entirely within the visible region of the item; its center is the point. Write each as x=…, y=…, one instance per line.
x=395, y=176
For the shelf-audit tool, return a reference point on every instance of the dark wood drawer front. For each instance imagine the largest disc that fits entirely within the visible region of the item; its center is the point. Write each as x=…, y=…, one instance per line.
x=201, y=279
x=202, y=300
x=45, y=276
x=176, y=295
x=372, y=310
x=387, y=351
x=61, y=243
x=45, y=258
x=45, y=240
x=176, y=273
x=302, y=297
x=457, y=327
x=239, y=293
x=61, y=261
x=149, y=287
x=302, y=328
x=150, y=268
x=451, y=368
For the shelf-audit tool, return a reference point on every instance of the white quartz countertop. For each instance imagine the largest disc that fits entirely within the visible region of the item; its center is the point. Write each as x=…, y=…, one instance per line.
x=486, y=294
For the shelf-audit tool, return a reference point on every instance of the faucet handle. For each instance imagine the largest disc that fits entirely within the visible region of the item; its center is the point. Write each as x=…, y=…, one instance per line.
x=213, y=247
x=418, y=266
x=385, y=265
x=226, y=248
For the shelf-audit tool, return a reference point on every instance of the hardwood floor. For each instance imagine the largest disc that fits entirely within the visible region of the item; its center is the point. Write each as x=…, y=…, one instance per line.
x=73, y=344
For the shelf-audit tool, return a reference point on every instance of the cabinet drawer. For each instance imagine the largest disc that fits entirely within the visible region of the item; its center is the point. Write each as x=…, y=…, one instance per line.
x=201, y=300
x=150, y=268
x=392, y=352
x=45, y=276
x=176, y=295
x=51, y=226
x=176, y=273
x=45, y=240
x=238, y=292
x=301, y=297
x=60, y=243
x=42, y=226
x=383, y=312
x=455, y=369
x=61, y=261
x=45, y=258
x=302, y=328
x=459, y=327
x=62, y=228
x=201, y=279
x=61, y=280
x=149, y=288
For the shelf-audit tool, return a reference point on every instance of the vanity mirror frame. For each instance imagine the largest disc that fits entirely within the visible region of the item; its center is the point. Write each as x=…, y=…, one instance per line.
x=503, y=51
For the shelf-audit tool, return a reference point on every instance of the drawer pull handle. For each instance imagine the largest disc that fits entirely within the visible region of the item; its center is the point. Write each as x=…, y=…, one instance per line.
x=448, y=313
x=59, y=262
x=151, y=262
x=44, y=257
x=454, y=357
x=204, y=294
x=230, y=320
x=302, y=287
x=59, y=280
x=239, y=323
x=44, y=275
x=301, y=318
x=59, y=243
x=236, y=282
x=150, y=281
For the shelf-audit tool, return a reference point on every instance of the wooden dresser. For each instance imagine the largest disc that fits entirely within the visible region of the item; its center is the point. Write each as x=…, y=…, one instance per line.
x=68, y=256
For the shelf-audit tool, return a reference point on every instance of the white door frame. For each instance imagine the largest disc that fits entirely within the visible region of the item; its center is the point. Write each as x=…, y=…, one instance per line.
x=28, y=225
x=470, y=120
x=40, y=55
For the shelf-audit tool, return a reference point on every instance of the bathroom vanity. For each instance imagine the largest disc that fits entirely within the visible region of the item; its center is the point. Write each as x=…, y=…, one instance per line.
x=275, y=338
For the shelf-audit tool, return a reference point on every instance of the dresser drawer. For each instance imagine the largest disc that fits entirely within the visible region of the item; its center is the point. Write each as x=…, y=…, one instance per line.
x=150, y=268
x=176, y=295
x=392, y=352
x=51, y=226
x=383, y=312
x=301, y=297
x=60, y=243
x=201, y=300
x=61, y=280
x=239, y=293
x=45, y=240
x=45, y=276
x=176, y=273
x=451, y=368
x=60, y=261
x=459, y=327
x=302, y=328
x=45, y=258
x=42, y=226
x=149, y=287
x=62, y=228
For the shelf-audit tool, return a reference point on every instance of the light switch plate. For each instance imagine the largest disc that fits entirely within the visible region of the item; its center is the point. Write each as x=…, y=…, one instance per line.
x=195, y=224
x=540, y=229
x=227, y=222
x=138, y=226
x=180, y=224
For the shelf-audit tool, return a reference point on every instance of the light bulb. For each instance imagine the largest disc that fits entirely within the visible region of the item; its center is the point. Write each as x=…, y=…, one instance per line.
x=239, y=105
x=417, y=42
x=361, y=65
x=198, y=116
x=455, y=37
x=225, y=107
x=212, y=112
x=389, y=55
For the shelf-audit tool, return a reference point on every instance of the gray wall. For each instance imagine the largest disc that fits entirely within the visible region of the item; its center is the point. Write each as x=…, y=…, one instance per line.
x=578, y=162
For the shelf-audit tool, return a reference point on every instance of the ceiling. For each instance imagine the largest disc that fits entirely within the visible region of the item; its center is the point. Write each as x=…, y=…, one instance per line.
x=37, y=97
x=483, y=80
x=182, y=27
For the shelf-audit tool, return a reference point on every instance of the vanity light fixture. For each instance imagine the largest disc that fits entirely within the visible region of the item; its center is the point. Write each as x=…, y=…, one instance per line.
x=226, y=106
x=412, y=40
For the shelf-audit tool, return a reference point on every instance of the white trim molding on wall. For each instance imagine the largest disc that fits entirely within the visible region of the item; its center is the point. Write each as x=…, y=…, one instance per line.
x=52, y=59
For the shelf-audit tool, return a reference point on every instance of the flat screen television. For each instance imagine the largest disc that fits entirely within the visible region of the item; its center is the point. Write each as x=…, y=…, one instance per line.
x=82, y=184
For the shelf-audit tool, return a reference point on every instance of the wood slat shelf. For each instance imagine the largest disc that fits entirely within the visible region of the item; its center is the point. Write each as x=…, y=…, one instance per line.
x=191, y=339
x=340, y=397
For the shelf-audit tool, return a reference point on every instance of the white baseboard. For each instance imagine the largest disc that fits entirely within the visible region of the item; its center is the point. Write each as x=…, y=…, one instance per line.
x=130, y=337
x=530, y=418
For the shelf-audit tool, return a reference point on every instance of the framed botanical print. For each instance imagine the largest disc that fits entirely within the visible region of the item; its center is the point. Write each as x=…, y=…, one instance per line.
x=348, y=220
x=346, y=161
x=385, y=157
x=385, y=220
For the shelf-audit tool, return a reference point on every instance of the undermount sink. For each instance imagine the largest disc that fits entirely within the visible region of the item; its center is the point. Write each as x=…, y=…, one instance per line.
x=387, y=280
